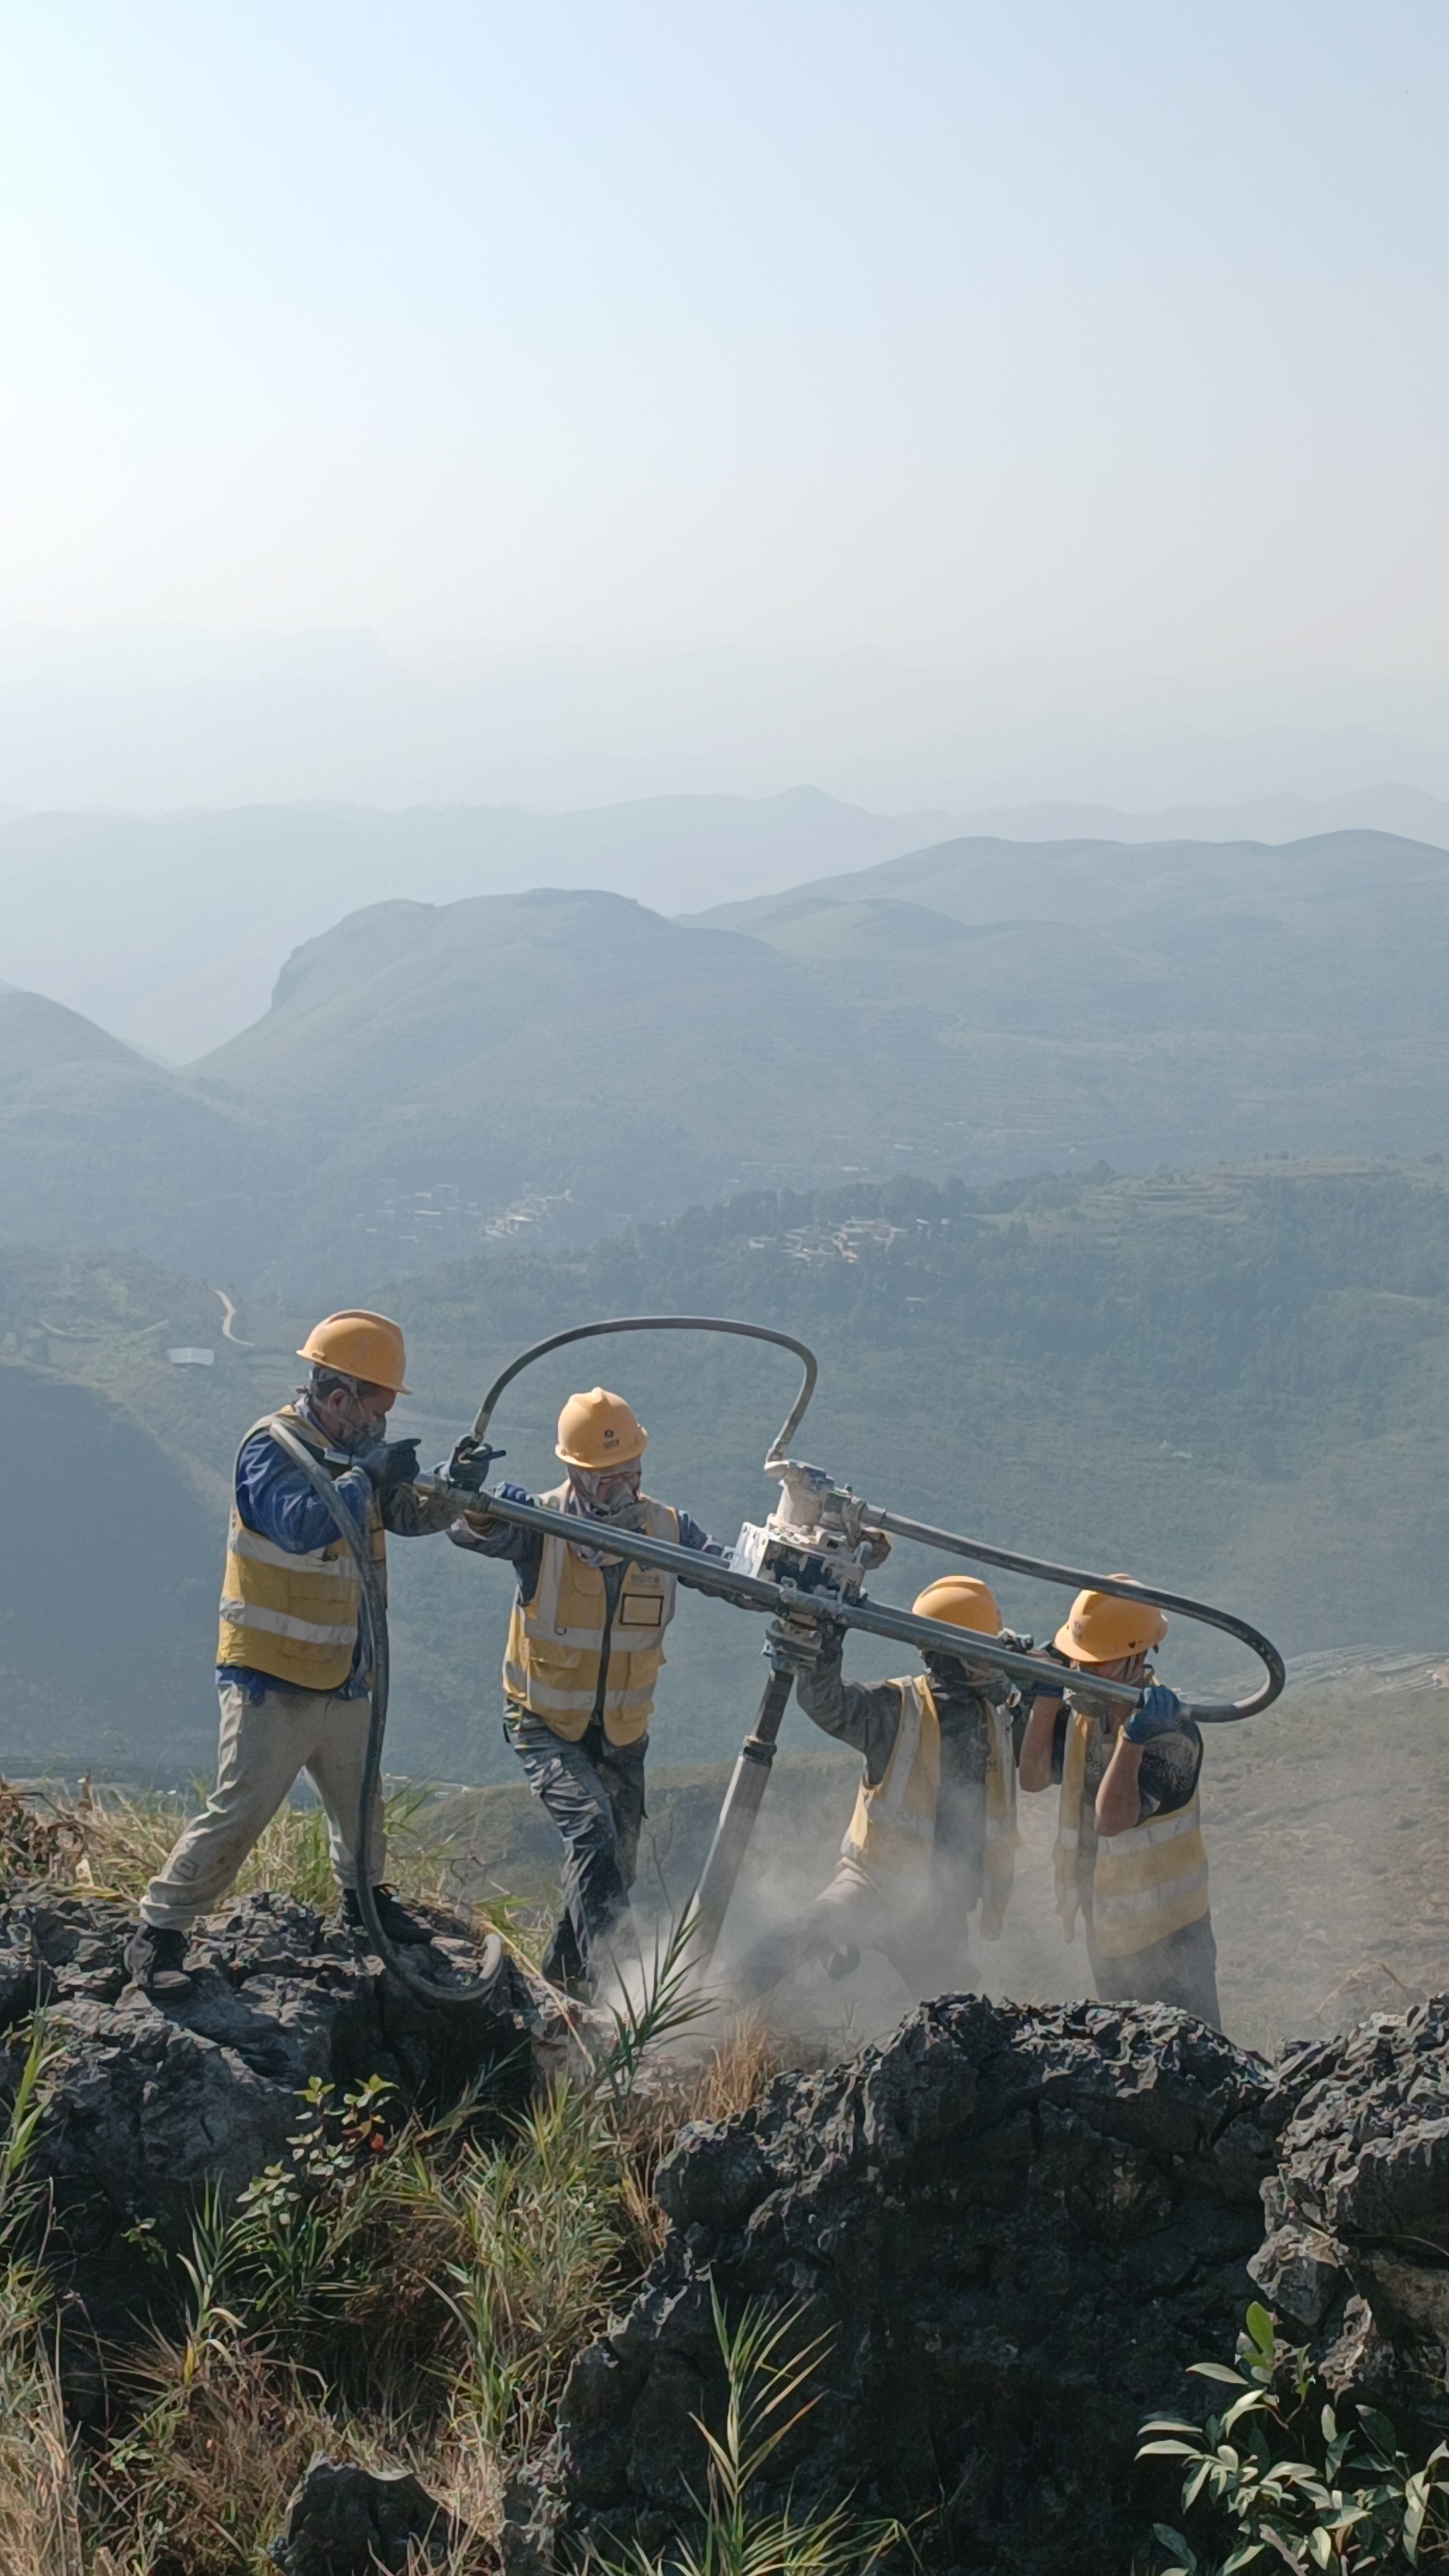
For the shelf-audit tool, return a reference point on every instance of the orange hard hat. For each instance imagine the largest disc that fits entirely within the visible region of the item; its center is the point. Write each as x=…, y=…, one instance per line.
x=1101, y=1628
x=962, y=1602
x=600, y=1430
x=359, y=1344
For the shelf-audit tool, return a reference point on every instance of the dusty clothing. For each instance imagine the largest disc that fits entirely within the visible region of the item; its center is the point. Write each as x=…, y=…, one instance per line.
x=1183, y=1970
x=1143, y=1894
x=585, y=1644
x=847, y=1916
x=290, y=1593
x=290, y=1612
x=957, y=1806
x=594, y=1791
x=586, y=1638
x=265, y=1744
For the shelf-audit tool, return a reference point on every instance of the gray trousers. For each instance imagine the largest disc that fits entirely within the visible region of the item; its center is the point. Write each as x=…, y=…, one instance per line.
x=1181, y=1970
x=851, y=1914
x=265, y=1746
x=594, y=1791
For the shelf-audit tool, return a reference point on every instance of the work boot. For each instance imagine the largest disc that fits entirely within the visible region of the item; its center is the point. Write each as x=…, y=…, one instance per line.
x=397, y=1923
x=156, y=1957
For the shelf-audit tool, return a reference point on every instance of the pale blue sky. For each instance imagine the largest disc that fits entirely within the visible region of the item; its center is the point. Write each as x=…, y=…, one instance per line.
x=1067, y=328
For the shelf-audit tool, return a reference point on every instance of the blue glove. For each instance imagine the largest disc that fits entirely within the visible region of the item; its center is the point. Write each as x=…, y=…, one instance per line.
x=1159, y=1713
x=514, y=1494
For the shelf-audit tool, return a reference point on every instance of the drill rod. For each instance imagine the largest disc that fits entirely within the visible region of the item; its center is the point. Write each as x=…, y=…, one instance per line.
x=705, y=1914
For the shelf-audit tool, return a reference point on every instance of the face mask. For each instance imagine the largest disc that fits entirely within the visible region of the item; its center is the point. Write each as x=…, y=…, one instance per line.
x=347, y=1426
x=609, y=1494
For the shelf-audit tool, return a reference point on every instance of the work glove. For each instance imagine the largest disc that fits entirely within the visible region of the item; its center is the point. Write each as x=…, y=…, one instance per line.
x=801, y=1644
x=876, y=1547
x=468, y=1466
x=514, y=1494
x=1159, y=1712
x=390, y=1464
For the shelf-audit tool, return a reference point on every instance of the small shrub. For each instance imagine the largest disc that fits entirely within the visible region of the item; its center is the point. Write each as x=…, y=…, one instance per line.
x=1277, y=2477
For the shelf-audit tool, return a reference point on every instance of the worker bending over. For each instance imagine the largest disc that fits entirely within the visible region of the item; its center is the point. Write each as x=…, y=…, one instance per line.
x=585, y=1644
x=934, y=1829
x=1129, y=1852
x=295, y=1686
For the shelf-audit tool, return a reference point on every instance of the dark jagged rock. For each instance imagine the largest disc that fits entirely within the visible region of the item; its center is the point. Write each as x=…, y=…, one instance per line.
x=148, y=2103
x=1358, y=2211
x=343, y=2521
x=1017, y=2227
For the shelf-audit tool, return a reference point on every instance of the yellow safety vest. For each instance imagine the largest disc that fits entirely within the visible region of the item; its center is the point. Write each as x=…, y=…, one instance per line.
x=293, y=1616
x=1138, y=1886
x=892, y=1834
x=561, y=1644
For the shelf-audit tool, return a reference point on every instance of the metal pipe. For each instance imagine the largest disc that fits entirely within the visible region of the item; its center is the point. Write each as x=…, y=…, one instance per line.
x=707, y=1908
x=1207, y=1712
x=784, y=1599
x=372, y=1609
x=667, y=1324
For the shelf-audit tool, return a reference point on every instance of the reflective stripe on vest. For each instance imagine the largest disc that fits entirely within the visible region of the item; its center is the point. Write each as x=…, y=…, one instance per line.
x=556, y=1639
x=293, y=1616
x=892, y=1834
x=1149, y=1882
x=1145, y=1883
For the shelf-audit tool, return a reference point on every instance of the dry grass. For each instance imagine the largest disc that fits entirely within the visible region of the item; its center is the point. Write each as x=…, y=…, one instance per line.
x=407, y=2300
x=112, y=1845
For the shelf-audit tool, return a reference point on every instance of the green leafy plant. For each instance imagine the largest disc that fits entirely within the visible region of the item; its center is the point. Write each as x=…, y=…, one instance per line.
x=1291, y=2482
x=669, y=2000
x=766, y=2376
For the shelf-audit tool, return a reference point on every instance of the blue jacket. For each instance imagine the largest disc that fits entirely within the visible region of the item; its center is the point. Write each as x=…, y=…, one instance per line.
x=275, y=1499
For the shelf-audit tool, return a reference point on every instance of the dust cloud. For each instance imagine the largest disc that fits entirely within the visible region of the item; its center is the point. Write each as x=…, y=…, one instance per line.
x=1324, y=1826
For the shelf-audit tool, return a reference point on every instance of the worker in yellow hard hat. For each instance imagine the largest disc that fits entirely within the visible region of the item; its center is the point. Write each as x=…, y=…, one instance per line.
x=933, y=1835
x=1129, y=1851
x=585, y=1644
x=290, y=1669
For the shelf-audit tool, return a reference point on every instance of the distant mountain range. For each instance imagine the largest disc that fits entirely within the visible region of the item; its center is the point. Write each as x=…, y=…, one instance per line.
x=430, y=1079
x=171, y=929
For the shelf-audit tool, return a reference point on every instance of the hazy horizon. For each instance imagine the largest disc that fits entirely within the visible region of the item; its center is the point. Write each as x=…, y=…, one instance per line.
x=950, y=407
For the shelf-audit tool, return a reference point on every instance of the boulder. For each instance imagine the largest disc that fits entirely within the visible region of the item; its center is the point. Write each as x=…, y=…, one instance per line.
x=1358, y=2212
x=149, y=2103
x=344, y=2521
x=1015, y=2226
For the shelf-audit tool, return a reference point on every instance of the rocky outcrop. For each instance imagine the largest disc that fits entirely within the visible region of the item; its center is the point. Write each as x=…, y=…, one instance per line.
x=344, y=2521
x=1357, y=2255
x=1016, y=2226
x=147, y=2104
x=1017, y=2229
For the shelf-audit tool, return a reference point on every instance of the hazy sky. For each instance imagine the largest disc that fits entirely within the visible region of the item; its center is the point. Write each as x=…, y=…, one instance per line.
x=1072, y=328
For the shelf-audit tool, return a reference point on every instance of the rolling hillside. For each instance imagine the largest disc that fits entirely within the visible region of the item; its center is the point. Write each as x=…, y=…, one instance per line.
x=431, y=1080
x=225, y=896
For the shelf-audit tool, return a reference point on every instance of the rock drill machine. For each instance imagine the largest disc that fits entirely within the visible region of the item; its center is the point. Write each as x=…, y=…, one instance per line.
x=806, y=1561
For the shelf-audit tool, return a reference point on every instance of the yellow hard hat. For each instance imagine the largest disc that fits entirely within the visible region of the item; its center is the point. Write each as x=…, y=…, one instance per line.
x=600, y=1430
x=359, y=1344
x=962, y=1602
x=1101, y=1629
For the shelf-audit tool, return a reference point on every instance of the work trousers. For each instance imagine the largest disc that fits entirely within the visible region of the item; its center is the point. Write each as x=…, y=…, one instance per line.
x=1181, y=1970
x=594, y=1791
x=266, y=1744
x=850, y=1915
